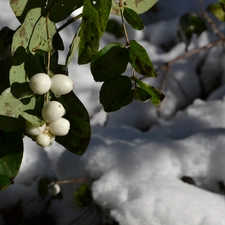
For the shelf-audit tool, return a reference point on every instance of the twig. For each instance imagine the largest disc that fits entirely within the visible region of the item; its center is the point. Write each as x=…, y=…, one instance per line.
x=71, y=181
x=215, y=29
x=69, y=22
x=165, y=66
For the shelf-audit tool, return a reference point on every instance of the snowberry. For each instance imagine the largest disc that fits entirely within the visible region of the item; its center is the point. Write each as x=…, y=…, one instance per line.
x=43, y=140
x=61, y=85
x=52, y=111
x=60, y=127
x=53, y=189
x=32, y=130
x=40, y=83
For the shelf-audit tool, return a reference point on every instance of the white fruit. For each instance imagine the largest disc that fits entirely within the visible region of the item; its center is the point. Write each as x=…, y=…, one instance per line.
x=43, y=140
x=53, y=189
x=40, y=83
x=52, y=111
x=60, y=127
x=32, y=130
x=61, y=85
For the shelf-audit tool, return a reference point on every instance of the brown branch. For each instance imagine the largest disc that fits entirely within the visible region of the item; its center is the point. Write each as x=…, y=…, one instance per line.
x=165, y=66
x=215, y=29
x=69, y=22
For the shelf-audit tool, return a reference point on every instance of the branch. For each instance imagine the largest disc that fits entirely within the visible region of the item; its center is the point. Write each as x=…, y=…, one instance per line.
x=165, y=66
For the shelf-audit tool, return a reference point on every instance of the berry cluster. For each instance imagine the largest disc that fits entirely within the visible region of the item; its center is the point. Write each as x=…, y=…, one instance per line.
x=53, y=111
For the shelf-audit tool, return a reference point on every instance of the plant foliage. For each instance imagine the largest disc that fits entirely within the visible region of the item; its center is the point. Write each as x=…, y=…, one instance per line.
x=33, y=48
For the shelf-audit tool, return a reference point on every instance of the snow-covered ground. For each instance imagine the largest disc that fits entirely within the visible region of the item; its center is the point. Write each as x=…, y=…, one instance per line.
x=148, y=165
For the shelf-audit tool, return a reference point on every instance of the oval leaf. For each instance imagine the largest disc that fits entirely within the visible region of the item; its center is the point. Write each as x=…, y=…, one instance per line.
x=14, y=108
x=110, y=61
x=73, y=47
x=139, y=6
x=116, y=93
x=189, y=24
x=89, y=34
x=79, y=134
x=83, y=196
x=59, y=10
x=103, y=7
x=11, y=145
x=133, y=19
x=140, y=60
x=156, y=96
x=217, y=11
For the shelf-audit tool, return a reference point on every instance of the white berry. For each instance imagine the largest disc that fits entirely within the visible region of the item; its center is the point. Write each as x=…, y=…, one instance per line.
x=61, y=85
x=43, y=140
x=32, y=130
x=52, y=111
x=60, y=127
x=53, y=189
x=40, y=83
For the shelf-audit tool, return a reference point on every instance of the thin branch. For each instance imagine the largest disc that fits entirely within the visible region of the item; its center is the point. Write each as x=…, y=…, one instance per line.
x=215, y=29
x=69, y=22
x=165, y=66
x=124, y=28
x=72, y=181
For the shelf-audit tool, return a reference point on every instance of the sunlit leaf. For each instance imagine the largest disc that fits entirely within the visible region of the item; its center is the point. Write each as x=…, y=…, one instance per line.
x=140, y=60
x=217, y=11
x=139, y=6
x=110, y=61
x=58, y=10
x=73, y=47
x=133, y=19
x=11, y=153
x=116, y=93
x=33, y=35
x=14, y=108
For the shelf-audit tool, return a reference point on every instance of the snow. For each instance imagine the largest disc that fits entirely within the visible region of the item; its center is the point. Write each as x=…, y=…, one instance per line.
x=139, y=157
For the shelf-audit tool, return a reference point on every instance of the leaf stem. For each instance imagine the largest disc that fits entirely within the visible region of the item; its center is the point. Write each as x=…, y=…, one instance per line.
x=69, y=22
x=124, y=27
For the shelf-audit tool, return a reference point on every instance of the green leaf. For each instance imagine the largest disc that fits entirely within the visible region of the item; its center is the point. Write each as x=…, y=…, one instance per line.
x=217, y=11
x=89, y=34
x=189, y=24
x=59, y=10
x=25, y=107
x=116, y=93
x=140, y=60
x=22, y=7
x=133, y=19
x=79, y=135
x=33, y=35
x=63, y=8
x=156, y=96
x=115, y=28
x=139, y=6
x=103, y=7
x=110, y=61
x=25, y=65
x=11, y=153
x=141, y=94
x=73, y=47
x=83, y=196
